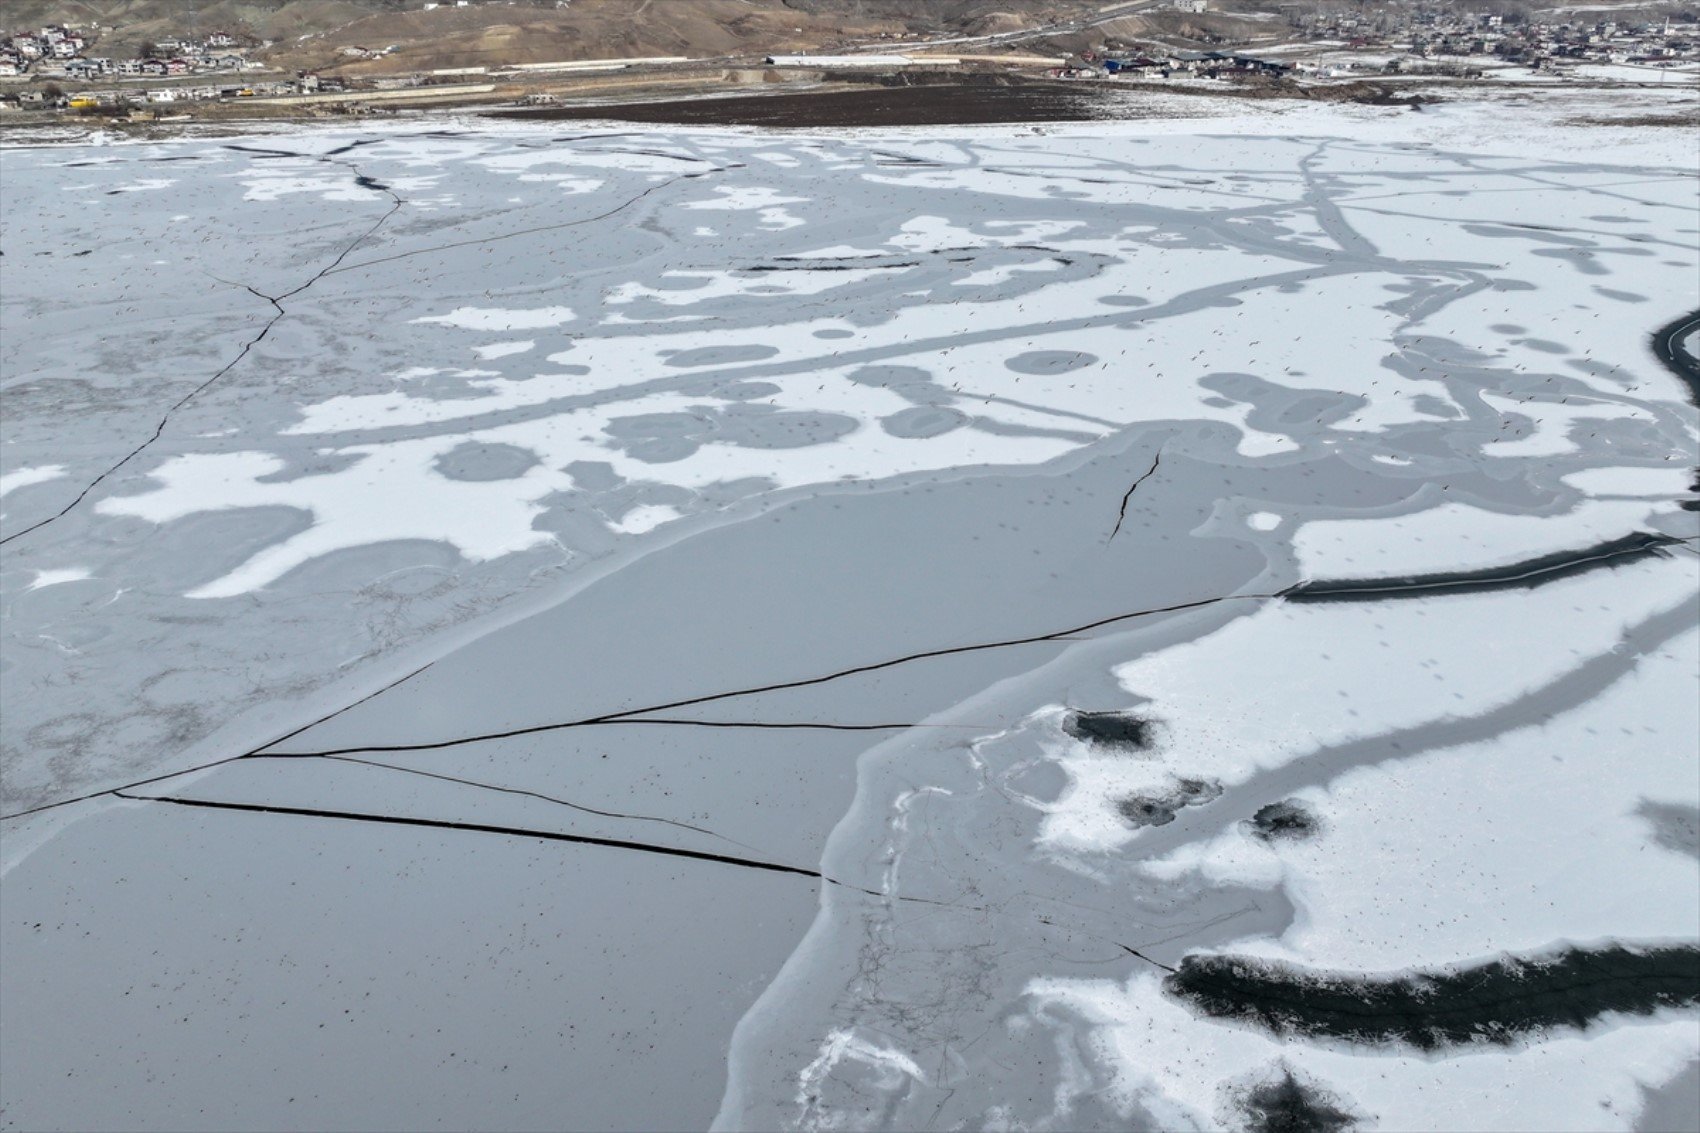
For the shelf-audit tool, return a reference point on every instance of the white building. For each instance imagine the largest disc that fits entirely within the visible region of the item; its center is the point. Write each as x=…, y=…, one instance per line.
x=838, y=61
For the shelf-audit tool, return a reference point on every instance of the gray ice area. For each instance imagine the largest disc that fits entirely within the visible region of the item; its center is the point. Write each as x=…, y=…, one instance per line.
x=561, y=438
x=1673, y=1107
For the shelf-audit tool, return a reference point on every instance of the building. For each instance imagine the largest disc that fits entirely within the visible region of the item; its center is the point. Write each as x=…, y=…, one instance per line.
x=835, y=61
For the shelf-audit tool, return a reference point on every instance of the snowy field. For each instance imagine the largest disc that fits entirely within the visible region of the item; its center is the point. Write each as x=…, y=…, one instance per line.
x=450, y=564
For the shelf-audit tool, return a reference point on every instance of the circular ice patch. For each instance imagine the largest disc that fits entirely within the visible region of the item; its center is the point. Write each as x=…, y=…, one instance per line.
x=1050, y=361
x=475, y=461
x=923, y=421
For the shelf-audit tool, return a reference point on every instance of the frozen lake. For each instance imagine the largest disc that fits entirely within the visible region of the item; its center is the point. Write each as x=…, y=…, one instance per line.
x=572, y=626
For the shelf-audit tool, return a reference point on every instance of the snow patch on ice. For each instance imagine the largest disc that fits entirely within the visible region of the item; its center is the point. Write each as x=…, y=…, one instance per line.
x=55, y=577
x=1453, y=537
x=502, y=318
x=23, y=477
x=1653, y=483
x=502, y=349
x=645, y=518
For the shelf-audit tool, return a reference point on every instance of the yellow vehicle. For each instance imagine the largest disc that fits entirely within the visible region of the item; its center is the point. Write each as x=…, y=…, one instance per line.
x=83, y=102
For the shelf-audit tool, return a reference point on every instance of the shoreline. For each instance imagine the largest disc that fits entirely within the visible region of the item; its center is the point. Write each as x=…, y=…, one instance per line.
x=829, y=100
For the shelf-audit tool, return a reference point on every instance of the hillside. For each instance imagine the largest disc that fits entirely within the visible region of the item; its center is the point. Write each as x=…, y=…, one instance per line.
x=310, y=34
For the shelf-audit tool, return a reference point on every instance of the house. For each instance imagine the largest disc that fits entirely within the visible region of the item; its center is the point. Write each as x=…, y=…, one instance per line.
x=152, y=67
x=9, y=67
x=1130, y=66
x=177, y=66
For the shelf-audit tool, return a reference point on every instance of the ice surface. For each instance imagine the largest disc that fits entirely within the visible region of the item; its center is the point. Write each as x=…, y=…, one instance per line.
x=1497, y=879
x=954, y=450
x=1286, y=681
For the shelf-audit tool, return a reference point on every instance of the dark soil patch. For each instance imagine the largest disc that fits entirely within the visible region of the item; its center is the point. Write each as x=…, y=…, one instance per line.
x=1160, y=808
x=1284, y=821
x=1111, y=729
x=1499, y=1001
x=1685, y=121
x=1287, y=1105
x=1525, y=575
x=929, y=104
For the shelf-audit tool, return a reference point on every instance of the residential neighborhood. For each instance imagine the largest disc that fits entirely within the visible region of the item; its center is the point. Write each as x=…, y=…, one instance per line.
x=39, y=60
x=1396, y=39
x=65, y=52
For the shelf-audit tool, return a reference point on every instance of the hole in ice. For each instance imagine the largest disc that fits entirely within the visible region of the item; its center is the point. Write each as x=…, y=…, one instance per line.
x=1287, y=820
x=1284, y=1104
x=1158, y=808
x=1112, y=729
